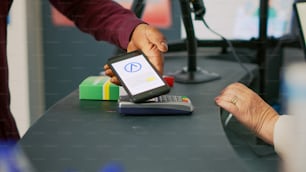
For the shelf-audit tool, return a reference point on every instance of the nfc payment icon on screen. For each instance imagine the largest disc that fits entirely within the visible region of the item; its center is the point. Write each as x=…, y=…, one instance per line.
x=138, y=76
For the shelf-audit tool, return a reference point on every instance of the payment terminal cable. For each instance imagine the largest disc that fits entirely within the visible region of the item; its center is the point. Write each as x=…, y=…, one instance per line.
x=250, y=74
x=199, y=11
x=229, y=117
x=233, y=50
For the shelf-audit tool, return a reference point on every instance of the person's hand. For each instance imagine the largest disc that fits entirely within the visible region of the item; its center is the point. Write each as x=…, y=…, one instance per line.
x=151, y=42
x=249, y=109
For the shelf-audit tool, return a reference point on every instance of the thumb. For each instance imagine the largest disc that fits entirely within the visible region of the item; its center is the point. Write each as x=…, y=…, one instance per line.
x=156, y=38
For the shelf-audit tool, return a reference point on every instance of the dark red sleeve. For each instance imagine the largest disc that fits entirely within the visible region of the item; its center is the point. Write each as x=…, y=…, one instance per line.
x=104, y=19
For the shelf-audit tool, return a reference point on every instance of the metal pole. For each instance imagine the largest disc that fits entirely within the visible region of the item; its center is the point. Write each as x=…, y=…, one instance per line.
x=261, y=53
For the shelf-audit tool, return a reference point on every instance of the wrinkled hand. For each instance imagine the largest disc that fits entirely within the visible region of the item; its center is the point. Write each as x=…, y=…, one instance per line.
x=151, y=42
x=249, y=109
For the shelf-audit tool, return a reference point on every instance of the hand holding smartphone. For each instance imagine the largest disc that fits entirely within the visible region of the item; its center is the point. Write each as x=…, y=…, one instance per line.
x=138, y=76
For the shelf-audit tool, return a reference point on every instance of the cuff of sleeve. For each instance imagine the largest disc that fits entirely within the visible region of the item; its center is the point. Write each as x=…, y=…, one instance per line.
x=282, y=135
x=127, y=31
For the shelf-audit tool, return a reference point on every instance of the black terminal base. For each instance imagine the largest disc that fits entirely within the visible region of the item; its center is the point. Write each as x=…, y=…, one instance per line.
x=194, y=77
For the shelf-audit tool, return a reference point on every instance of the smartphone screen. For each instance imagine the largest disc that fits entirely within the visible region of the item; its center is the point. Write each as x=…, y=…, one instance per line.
x=138, y=76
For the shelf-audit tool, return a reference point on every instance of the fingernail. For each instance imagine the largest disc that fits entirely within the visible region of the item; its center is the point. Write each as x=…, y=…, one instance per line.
x=164, y=44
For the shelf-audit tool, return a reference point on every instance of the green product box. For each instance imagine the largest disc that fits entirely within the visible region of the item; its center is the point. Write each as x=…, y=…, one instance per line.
x=98, y=88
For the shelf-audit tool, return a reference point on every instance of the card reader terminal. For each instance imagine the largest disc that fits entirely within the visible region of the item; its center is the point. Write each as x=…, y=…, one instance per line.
x=161, y=105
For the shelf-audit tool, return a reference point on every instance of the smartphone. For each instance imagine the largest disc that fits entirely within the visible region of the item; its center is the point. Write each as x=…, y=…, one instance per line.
x=138, y=76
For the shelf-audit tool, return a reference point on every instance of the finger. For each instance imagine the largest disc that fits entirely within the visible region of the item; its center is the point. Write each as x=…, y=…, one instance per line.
x=227, y=105
x=155, y=57
x=157, y=38
x=115, y=80
x=158, y=63
x=109, y=72
x=105, y=67
x=229, y=98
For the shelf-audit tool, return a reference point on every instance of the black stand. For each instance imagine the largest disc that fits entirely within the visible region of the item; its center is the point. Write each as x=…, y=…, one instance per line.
x=262, y=44
x=191, y=73
x=137, y=7
x=194, y=74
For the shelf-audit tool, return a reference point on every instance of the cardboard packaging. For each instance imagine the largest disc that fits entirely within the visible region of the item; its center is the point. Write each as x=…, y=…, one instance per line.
x=98, y=88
